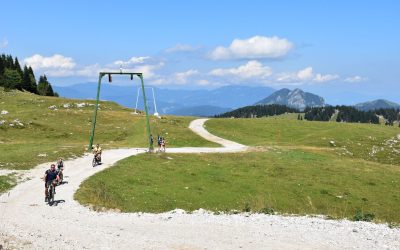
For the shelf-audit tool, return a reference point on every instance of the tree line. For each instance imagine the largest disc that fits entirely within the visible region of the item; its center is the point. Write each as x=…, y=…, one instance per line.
x=328, y=113
x=12, y=76
x=258, y=111
x=351, y=114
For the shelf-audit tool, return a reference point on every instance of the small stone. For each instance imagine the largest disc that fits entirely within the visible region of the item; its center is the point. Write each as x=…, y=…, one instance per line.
x=80, y=105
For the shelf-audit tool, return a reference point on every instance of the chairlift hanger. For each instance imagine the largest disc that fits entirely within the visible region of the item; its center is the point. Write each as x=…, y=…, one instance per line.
x=101, y=74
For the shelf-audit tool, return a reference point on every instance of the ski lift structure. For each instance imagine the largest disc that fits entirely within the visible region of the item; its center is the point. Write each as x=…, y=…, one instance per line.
x=96, y=106
x=154, y=102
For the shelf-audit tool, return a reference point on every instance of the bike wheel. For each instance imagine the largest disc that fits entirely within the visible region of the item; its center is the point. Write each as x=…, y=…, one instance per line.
x=94, y=162
x=52, y=194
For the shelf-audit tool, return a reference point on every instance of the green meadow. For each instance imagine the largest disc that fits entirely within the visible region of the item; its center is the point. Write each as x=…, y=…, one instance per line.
x=292, y=168
x=40, y=129
x=278, y=180
x=371, y=142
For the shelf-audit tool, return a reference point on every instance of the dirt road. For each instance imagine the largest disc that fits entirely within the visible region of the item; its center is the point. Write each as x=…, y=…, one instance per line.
x=27, y=222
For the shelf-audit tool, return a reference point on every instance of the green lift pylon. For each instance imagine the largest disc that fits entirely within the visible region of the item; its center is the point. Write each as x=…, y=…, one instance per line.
x=96, y=107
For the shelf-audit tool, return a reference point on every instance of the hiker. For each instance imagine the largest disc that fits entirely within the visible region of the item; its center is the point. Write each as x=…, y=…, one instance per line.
x=163, y=144
x=159, y=143
x=151, y=143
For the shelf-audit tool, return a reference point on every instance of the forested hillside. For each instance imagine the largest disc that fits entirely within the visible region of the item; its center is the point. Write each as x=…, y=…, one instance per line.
x=351, y=114
x=12, y=76
x=259, y=111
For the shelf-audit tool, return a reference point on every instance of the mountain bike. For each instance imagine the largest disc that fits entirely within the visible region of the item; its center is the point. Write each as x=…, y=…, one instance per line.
x=51, y=190
x=96, y=160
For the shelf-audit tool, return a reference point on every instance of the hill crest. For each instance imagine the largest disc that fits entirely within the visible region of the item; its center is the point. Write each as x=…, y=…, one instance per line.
x=376, y=104
x=296, y=98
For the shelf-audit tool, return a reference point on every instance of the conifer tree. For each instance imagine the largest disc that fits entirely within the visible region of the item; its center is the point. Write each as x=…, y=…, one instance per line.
x=44, y=87
x=11, y=79
x=9, y=62
x=2, y=66
x=33, y=87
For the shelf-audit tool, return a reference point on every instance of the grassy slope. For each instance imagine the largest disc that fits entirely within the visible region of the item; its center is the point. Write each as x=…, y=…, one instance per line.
x=65, y=132
x=288, y=181
x=366, y=141
x=299, y=173
x=6, y=182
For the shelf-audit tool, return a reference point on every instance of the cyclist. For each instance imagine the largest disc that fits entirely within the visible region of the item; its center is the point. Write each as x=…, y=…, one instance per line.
x=60, y=169
x=97, y=152
x=49, y=176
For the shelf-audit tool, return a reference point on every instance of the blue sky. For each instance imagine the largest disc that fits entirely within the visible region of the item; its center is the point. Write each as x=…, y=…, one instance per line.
x=346, y=51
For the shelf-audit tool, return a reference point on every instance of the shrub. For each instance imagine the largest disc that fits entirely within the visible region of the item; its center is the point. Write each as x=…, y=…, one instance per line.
x=361, y=216
x=247, y=207
x=267, y=210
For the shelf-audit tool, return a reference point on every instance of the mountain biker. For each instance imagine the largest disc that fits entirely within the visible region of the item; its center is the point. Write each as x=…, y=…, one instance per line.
x=60, y=168
x=49, y=176
x=97, y=152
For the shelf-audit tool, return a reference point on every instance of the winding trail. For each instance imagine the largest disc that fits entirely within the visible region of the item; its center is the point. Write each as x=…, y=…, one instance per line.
x=27, y=222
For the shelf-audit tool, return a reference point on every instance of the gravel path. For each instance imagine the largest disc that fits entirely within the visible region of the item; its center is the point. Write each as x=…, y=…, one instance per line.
x=27, y=222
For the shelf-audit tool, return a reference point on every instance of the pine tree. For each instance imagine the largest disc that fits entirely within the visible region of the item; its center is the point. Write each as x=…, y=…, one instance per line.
x=2, y=66
x=33, y=87
x=11, y=79
x=44, y=87
x=26, y=79
x=17, y=66
x=9, y=62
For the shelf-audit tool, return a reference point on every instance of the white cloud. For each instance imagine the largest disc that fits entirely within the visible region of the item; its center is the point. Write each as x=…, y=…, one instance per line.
x=181, y=48
x=61, y=66
x=325, y=78
x=182, y=77
x=3, y=43
x=355, y=79
x=132, y=61
x=147, y=70
x=203, y=82
x=89, y=71
x=59, y=72
x=305, y=75
x=252, y=69
x=93, y=70
x=53, y=63
x=253, y=48
x=176, y=78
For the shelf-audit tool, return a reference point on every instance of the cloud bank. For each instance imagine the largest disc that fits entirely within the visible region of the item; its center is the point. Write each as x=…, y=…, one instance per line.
x=255, y=47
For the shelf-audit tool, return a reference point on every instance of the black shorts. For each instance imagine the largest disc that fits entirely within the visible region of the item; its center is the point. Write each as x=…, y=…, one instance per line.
x=47, y=183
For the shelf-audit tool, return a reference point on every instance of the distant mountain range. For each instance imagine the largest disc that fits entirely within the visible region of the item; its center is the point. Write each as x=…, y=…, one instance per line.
x=377, y=104
x=293, y=98
x=207, y=102
x=172, y=101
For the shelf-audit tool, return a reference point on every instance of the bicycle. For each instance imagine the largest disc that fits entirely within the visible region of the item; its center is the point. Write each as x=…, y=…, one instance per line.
x=96, y=160
x=61, y=175
x=51, y=190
